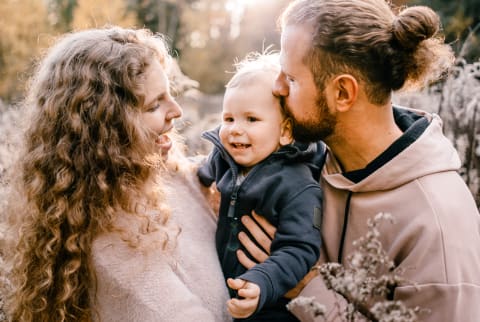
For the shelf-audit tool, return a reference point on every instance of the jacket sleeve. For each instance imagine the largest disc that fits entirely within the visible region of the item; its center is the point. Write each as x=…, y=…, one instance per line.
x=208, y=170
x=295, y=247
x=132, y=286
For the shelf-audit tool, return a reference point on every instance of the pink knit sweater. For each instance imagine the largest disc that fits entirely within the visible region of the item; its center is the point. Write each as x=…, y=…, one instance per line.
x=180, y=285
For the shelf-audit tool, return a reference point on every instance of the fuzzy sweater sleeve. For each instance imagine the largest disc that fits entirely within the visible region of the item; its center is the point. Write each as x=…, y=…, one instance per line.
x=136, y=286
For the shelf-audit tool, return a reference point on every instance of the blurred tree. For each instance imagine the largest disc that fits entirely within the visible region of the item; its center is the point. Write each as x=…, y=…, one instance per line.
x=205, y=45
x=61, y=13
x=22, y=37
x=94, y=13
x=214, y=33
x=162, y=16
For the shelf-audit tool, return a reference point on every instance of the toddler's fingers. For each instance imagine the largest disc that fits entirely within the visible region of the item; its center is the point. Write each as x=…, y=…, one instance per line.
x=235, y=284
x=249, y=292
x=241, y=308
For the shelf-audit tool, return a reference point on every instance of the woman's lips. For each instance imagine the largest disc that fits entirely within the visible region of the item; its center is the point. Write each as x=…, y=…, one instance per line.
x=164, y=143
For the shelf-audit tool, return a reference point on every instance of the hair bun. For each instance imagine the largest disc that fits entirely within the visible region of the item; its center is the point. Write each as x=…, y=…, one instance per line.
x=413, y=25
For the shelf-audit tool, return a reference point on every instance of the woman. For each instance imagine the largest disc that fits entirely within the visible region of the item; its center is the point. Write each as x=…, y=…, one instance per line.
x=110, y=229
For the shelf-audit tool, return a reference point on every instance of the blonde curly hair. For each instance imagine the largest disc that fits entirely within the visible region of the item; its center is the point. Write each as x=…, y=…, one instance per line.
x=87, y=158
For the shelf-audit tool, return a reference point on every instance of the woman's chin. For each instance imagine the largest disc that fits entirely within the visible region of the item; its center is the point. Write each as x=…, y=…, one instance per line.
x=164, y=144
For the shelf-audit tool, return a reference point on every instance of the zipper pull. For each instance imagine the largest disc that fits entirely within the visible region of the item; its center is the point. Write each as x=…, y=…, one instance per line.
x=231, y=206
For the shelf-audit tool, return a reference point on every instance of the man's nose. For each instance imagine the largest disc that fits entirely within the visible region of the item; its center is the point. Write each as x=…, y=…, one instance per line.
x=280, y=87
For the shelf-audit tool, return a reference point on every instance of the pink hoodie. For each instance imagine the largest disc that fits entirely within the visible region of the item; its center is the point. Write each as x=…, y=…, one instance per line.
x=435, y=239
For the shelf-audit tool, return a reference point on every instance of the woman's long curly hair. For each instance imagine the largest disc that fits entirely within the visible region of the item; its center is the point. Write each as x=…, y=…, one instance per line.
x=87, y=159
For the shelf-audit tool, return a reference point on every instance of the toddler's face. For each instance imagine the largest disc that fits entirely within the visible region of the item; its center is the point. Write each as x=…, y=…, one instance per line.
x=252, y=122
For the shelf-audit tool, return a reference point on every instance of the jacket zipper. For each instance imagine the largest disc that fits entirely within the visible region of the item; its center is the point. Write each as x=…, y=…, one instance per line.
x=233, y=201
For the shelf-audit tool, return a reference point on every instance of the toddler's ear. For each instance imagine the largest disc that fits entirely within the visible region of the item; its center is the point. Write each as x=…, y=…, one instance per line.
x=286, y=134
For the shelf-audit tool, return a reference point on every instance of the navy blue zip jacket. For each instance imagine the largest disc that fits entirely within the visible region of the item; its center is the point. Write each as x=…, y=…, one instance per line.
x=284, y=189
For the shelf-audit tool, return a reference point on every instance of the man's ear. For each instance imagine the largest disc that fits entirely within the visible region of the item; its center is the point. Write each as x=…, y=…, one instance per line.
x=286, y=136
x=345, y=88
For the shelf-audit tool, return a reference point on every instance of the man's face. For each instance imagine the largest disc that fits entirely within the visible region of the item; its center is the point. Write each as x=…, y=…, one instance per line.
x=312, y=118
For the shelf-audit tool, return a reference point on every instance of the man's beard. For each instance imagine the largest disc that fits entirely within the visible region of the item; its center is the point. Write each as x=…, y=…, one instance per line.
x=320, y=125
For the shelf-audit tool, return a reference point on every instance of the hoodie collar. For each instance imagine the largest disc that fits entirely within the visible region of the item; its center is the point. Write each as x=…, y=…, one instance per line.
x=422, y=150
x=412, y=124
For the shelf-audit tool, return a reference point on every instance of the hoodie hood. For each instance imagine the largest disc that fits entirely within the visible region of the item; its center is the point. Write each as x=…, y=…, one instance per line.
x=430, y=153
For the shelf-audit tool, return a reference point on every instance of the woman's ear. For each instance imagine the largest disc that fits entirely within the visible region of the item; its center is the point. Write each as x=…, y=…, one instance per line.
x=346, y=91
x=286, y=136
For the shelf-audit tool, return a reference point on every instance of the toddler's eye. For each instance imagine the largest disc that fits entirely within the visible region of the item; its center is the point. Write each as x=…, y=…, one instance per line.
x=228, y=119
x=252, y=119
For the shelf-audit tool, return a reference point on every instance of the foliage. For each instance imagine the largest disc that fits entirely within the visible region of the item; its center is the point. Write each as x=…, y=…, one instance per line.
x=457, y=100
x=18, y=44
x=213, y=36
x=459, y=19
x=162, y=16
x=93, y=13
x=206, y=35
x=61, y=13
x=28, y=27
x=365, y=282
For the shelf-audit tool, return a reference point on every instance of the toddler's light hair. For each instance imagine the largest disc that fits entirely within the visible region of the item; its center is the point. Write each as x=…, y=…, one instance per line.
x=254, y=63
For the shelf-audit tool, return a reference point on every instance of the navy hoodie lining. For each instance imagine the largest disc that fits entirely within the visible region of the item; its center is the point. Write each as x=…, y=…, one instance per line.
x=413, y=125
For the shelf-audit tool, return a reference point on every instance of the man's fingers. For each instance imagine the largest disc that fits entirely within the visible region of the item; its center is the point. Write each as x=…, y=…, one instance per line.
x=258, y=234
x=266, y=226
x=256, y=252
x=244, y=260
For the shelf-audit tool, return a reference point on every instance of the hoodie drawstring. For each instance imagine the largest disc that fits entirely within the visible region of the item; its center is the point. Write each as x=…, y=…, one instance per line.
x=344, y=229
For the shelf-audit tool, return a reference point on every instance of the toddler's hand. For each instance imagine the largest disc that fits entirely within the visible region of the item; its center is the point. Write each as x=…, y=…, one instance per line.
x=245, y=306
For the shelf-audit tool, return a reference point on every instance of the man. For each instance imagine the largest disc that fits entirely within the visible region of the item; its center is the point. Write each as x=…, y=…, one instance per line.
x=341, y=60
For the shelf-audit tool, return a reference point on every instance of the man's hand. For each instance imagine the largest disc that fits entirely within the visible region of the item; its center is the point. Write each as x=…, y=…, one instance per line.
x=262, y=231
x=245, y=306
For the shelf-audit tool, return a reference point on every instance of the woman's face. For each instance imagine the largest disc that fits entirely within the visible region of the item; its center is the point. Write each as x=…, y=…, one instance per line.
x=160, y=107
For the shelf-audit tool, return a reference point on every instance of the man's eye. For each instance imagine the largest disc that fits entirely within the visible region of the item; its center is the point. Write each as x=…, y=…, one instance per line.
x=289, y=79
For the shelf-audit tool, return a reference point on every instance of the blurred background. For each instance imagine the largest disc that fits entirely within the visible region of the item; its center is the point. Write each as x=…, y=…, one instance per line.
x=206, y=37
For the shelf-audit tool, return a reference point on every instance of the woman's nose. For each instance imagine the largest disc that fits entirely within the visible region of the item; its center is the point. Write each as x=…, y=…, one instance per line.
x=280, y=87
x=175, y=110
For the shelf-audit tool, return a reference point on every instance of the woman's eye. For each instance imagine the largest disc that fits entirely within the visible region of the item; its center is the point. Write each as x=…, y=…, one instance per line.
x=153, y=108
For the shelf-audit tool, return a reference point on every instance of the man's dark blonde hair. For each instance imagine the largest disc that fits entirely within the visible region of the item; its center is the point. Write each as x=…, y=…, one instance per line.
x=365, y=38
